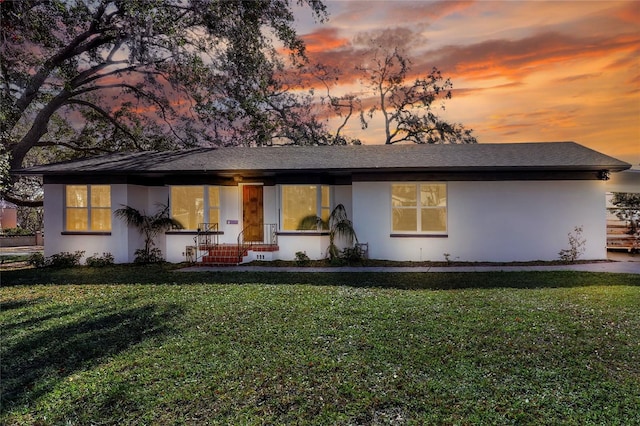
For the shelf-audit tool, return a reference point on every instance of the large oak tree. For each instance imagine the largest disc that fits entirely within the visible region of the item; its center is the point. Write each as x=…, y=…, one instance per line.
x=96, y=76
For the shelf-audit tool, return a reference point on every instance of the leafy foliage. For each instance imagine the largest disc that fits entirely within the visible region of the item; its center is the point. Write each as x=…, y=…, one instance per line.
x=63, y=259
x=10, y=232
x=97, y=261
x=628, y=210
x=302, y=259
x=86, y=77
x=339, y=226
x=352, y=255
x=37, y=260
x=149, y=226
x=151, y=255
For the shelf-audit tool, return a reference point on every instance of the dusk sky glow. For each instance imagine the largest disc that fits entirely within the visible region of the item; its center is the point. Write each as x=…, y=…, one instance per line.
x=522, y=71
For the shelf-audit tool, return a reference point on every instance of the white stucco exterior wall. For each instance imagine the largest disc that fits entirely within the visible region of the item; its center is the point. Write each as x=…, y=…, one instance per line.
x=487, y=221
x=490, y=221
x=57, y=241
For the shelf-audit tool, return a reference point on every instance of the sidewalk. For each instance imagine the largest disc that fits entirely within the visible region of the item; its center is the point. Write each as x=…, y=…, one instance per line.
x=18, y=250
x=619, y=262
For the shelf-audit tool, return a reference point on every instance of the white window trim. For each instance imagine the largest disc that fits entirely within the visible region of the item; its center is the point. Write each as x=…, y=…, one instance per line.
x=418, y=208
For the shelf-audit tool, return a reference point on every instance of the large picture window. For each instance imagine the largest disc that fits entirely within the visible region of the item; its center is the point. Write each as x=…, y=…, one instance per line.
x=193, y=205
x=88, y=208
x=301, y=203
x=419, y=208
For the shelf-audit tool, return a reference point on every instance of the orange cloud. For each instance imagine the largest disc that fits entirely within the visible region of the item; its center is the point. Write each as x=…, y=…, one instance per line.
x=516, y=58
x=324, y=39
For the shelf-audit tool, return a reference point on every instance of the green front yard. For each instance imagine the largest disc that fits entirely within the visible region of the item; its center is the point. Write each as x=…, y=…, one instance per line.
x=145, y=345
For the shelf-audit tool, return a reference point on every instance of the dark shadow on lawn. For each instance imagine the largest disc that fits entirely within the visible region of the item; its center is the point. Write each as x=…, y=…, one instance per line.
x=32, y=366
x=430, y=281
x=167, y=274
x=18, y=304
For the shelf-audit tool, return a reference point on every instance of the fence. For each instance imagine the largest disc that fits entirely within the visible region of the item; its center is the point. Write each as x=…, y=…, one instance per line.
x=22, y=240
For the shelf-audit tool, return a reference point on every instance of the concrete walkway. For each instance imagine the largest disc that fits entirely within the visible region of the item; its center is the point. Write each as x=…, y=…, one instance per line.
x=19, y=250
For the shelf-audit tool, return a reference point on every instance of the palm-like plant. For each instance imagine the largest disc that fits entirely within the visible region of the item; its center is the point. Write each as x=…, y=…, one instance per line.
x=338, y=225
x=149, y=226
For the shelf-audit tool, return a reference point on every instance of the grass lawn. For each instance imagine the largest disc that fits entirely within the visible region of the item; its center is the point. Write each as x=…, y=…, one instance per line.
x=147, y=345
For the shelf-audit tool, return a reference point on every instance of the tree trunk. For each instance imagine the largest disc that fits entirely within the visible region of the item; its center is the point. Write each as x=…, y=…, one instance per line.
x=37, y=130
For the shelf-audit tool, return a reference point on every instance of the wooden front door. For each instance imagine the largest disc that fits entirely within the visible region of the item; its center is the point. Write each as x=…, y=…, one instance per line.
x=252, y=213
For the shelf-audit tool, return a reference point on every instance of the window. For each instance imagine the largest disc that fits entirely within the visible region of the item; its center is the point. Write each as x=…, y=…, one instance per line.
x=193, y=205
x=88, y=208
x=301, y=203
x=419, y=207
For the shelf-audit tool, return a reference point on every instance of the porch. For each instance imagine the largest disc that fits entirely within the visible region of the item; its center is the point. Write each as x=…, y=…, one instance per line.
x=256, y=242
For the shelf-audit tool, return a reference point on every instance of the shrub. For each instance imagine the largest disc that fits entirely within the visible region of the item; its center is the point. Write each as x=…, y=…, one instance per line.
x=100, y=261
x=15, y=232
x=576, y=246
x=151, y=255
x=352, y=255
x=302, y=259
x=337, y=261
x=149, y=227
x=64, y=259
x=37, y=260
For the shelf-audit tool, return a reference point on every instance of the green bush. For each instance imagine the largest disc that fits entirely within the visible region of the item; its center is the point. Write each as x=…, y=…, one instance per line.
x=64, y=259
x=37, y=260
x=302, y=259
x=15, y=232
x=96, y=261
x=337, y=261
x=352, y=255
x=153, y=255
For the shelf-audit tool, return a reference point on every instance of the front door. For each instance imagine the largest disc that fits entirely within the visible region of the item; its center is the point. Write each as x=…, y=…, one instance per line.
x=252, y=213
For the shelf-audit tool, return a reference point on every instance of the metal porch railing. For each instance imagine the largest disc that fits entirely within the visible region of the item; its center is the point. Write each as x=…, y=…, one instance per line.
x=269, y=237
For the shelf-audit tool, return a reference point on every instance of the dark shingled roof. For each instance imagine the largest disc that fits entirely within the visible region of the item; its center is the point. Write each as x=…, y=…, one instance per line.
x=551, y=156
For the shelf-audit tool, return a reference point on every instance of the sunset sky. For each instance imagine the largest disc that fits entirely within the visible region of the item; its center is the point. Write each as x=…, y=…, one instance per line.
x=522, y=71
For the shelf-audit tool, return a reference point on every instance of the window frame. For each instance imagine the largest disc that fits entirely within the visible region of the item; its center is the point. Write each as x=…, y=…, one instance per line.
x=206, y=207
x=88, y=209
x=320, y=208
x=418, y=232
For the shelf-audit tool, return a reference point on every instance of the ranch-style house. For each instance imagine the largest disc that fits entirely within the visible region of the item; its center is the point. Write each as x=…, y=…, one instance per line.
x=476, y=202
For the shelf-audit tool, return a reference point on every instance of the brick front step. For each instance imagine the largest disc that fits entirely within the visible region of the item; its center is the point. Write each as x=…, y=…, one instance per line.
x=224, y=255
x=220, y=260
x=231, y=254
x=264, y=247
